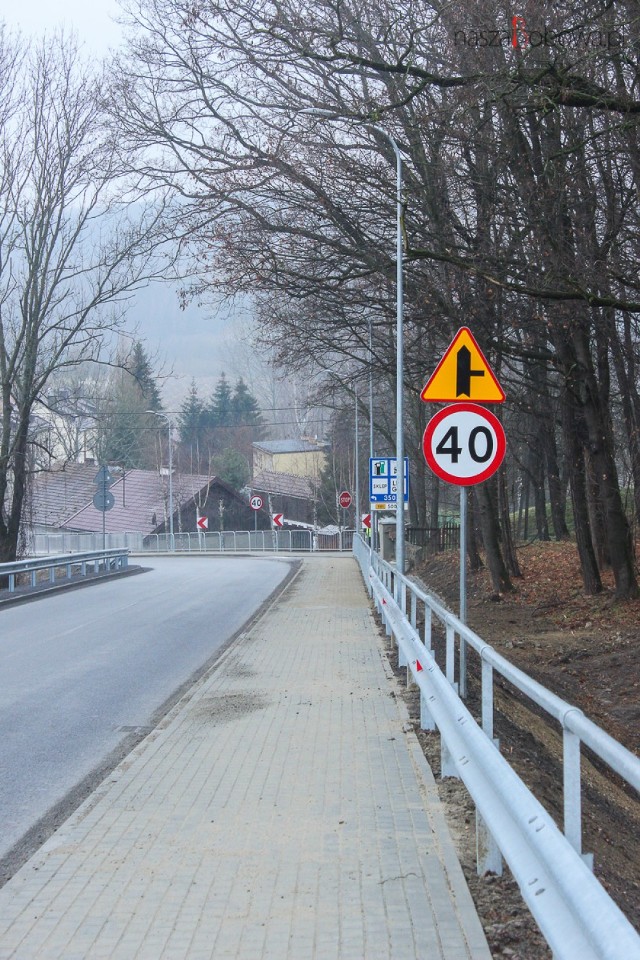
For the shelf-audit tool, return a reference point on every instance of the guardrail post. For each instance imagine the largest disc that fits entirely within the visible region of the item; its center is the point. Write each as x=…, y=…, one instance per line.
x=386, y=620
x=450, y=658
x=488, y=856
x=426, y=720
x=427, y=626
x=12, y=582
x=447, y=766
x=487, y=699
x=402, y=657
x=462, y=669
x=572, y=793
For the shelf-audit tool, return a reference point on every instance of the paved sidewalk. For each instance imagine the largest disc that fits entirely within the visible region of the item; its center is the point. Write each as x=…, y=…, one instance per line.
x=280, y=812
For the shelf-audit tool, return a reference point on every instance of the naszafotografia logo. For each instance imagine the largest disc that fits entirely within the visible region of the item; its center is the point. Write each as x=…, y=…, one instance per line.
x=521, y=36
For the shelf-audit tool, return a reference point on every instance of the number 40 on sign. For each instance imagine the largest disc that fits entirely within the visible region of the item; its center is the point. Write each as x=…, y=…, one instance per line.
x=464, y=444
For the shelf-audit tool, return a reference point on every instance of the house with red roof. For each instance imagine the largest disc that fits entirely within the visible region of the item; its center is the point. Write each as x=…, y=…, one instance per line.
x=61, y=499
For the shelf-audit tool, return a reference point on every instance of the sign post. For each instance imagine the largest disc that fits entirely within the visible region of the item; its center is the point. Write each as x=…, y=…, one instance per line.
x=463, y=443
x=256, y=503
x=103, y=499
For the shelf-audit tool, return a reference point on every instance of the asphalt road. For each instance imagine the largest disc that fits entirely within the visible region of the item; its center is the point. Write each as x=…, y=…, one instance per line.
x=84, y=674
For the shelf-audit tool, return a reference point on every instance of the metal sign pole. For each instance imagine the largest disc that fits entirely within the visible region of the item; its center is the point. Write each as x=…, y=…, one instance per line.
x=463, y=588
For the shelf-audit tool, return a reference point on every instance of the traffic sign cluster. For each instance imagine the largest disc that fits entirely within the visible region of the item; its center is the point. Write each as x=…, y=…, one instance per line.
x=103, y=499
x=463, y=443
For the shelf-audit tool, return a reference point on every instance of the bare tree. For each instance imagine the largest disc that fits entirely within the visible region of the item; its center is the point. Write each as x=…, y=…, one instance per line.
x=74, y=243
x=521, y=179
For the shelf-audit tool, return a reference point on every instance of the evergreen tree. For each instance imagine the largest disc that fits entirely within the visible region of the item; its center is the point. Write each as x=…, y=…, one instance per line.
x=232, y=467
x=219, y=410
x=191, y=418
x=245, y=410
x=139, y=366
x=218, y=435
x=129, y=432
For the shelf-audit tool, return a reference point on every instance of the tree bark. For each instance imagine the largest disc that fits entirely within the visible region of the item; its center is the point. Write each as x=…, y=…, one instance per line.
x=574, y=453
x=602, y=456
x=490, y=528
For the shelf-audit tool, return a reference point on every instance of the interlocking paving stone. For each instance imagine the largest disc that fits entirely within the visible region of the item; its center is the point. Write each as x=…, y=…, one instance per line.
x=279, y=812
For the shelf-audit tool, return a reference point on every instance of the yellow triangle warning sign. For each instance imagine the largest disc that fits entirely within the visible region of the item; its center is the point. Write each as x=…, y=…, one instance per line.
x=463, y=373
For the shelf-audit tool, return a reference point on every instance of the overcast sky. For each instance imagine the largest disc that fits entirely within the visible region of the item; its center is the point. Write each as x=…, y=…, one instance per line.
x=93, y=20
x=190, y=342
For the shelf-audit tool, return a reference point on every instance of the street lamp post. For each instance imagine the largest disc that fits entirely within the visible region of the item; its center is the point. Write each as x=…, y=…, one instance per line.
x=329, y=115
x=357, y=490
x=164, y=417
x=372, y=532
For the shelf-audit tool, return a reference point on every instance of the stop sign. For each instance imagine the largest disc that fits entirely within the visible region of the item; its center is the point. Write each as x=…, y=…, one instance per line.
x=345, y=499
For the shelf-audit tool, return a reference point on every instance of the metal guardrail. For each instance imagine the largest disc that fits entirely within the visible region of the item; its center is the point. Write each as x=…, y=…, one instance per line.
x=95, y=559
x=575, y=913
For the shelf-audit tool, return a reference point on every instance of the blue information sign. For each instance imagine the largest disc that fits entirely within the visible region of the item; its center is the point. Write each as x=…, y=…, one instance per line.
x=383, y=480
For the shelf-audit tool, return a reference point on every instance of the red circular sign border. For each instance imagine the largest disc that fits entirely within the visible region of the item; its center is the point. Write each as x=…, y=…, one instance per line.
x=437, y=418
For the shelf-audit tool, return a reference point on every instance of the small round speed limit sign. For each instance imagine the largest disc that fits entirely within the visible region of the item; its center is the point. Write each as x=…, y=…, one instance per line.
x=256, y=502
x=464, y=444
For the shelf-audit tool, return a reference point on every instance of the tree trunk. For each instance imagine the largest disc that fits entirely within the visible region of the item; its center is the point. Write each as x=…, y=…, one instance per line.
x=624, y=363
x=473, y=552
x=491, y=538
x=596, y=516
x=434, y=503
x=510, y=555
x=536, y=470
x=603, y=458
x=10, y=529
x=574, y=453
x=557, y=490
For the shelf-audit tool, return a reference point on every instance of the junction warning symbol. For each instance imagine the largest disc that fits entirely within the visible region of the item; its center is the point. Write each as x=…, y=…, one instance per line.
x=463, y=373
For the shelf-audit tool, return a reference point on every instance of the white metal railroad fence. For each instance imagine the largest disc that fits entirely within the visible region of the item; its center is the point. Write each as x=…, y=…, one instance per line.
x=573, y=910
x=228, y=541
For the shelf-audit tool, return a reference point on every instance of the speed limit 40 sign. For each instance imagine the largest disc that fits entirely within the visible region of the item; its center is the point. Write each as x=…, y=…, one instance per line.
x=464, y=444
